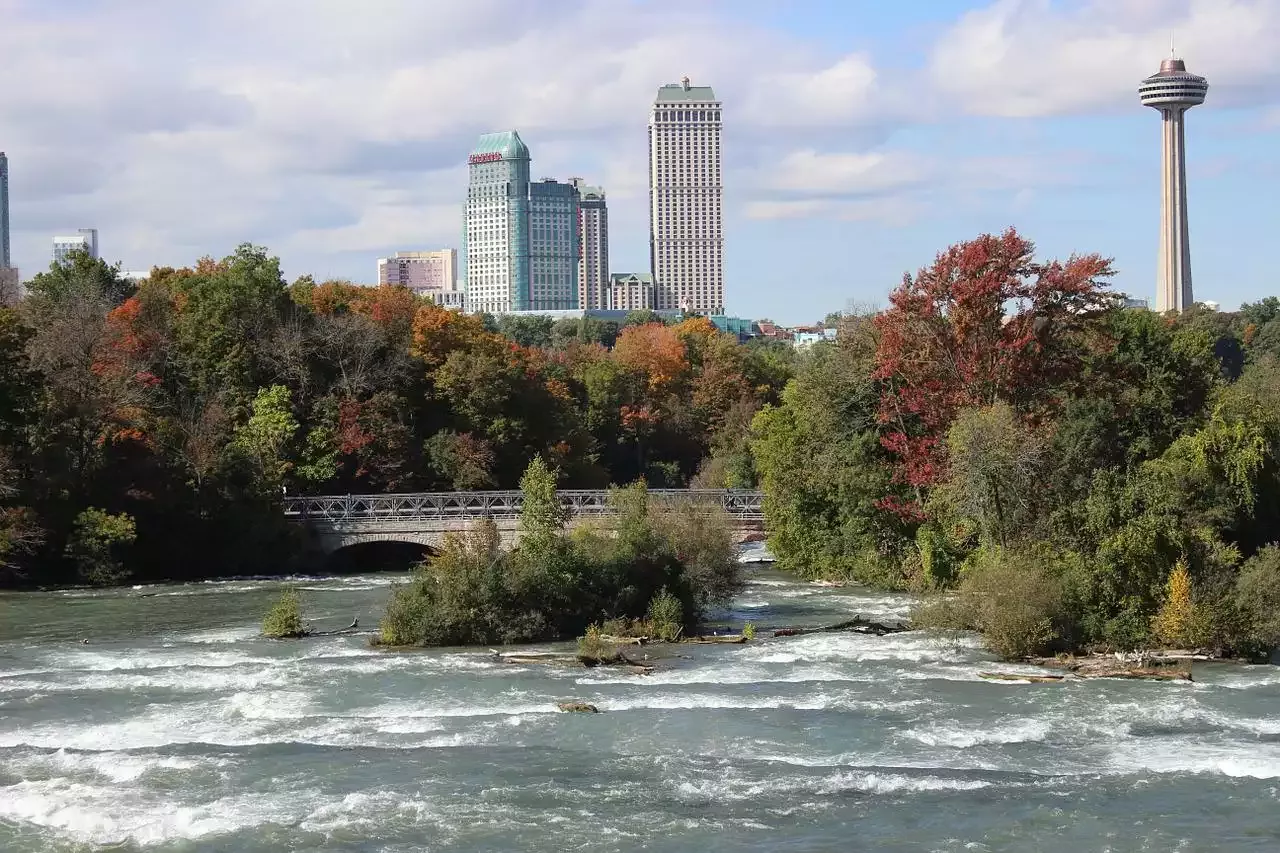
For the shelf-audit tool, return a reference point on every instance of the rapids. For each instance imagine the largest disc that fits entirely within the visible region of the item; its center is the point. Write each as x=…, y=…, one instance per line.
x=177, y=728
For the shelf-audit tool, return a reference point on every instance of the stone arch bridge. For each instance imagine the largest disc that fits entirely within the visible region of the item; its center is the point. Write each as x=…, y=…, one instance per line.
x=425, y=518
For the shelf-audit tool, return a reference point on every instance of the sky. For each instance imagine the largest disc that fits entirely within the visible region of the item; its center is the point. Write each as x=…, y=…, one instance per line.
x=860, y=137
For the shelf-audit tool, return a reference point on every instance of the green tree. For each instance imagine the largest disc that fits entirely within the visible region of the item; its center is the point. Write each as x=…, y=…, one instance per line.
x=267, y=433
x=993, y=470
x=823, y=468
x=542, y=513
x=95, y=544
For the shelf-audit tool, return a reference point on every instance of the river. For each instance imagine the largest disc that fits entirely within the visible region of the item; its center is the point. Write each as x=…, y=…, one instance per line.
x=178, y=729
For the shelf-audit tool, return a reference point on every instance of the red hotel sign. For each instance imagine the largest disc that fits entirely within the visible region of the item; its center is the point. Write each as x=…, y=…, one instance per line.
x=484, y=158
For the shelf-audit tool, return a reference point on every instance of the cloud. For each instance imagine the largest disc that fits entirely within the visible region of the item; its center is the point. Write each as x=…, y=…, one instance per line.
x=331, y=131
x=816, y=173
x=887, y=211
x=315, y=125
x=1023, y=58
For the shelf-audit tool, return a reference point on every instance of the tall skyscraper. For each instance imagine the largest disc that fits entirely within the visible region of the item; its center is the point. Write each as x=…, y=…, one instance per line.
x=1173, y=90
x=686, y=231
x=421, y=271
x=593, y=237
x=6, y=259
x=521, y=239
x=554, y=246
x=86, y=239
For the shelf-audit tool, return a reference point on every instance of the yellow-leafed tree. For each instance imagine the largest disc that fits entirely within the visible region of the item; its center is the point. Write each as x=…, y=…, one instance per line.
x=1180, y=622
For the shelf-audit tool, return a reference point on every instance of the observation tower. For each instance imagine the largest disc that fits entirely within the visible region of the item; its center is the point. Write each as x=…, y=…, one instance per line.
x=1173, y=90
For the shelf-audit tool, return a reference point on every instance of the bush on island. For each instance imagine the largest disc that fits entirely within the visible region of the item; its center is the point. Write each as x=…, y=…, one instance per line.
x=658, y=560
x=284, y=621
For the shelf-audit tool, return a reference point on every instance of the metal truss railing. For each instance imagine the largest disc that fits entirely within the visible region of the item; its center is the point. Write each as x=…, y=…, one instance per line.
x=742, y=504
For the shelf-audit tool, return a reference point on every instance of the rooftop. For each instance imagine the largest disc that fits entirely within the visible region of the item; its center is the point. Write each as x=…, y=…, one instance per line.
x=506, y=143
x=682, y=92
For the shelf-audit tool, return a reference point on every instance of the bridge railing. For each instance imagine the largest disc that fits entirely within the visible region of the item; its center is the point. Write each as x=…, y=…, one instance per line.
x=738, y=503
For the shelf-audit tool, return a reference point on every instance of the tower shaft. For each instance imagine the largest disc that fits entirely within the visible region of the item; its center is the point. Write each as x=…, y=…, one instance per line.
x=1173, y=267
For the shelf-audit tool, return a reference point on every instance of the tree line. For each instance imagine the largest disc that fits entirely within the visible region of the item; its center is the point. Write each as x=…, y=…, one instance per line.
x=1071, y=472
x=148, y=431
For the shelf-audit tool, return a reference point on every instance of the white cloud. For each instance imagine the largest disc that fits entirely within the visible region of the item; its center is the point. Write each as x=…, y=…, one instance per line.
x=888, y=211
x=328, y=130
x=809, y=171
x=1020, y=58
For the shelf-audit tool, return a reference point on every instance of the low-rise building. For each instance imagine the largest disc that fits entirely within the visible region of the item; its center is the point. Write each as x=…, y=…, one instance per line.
x=740, y=327
x=454, y=300
x=421, y=271
x=806, y=336
x=630, y=291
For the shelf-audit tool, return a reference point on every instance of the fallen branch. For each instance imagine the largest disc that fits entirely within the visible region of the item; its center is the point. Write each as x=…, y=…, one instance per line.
x=857, y=624
x=624, y=641
x=1035, y=679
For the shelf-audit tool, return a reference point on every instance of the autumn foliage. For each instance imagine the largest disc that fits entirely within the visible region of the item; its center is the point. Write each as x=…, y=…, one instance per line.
x=985, y=323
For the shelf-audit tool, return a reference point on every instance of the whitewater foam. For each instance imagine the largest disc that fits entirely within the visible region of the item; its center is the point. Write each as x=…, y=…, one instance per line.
x=964, y=737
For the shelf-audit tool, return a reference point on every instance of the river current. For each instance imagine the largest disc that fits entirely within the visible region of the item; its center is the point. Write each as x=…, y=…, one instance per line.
x=177, y=728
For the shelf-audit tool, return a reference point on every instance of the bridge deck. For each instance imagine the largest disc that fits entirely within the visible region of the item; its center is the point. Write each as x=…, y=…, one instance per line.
x=336, y=509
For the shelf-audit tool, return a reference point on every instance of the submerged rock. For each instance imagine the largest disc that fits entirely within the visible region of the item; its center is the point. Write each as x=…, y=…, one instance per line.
x=578, y=707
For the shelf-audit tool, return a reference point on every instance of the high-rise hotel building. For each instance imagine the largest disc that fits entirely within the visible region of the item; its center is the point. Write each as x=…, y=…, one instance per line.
x=593, y=237
x=521, y=240
x=686, y=230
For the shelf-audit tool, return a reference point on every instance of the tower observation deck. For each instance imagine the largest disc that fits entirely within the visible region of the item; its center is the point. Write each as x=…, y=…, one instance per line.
x=1173, y=90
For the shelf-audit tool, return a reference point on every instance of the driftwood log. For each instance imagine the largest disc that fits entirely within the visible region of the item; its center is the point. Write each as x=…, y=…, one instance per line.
x=1140, y=666
x=1035, y=679
x=858, y=624
x=350, y=629
x=624, y=641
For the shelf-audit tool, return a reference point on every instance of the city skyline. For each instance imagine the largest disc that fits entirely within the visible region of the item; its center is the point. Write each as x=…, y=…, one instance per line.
x=870, y=138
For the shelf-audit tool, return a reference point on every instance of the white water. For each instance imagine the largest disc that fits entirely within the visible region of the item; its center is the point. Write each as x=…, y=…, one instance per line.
x=195, y=734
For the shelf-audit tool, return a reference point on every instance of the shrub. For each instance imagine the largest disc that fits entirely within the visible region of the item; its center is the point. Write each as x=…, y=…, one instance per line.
x=665, y=617
x=703, y=548
x=403, y=624
x=1009, y=597
x=661, y=562
x=593, y=650
x=284, y=620
x=1257, y=599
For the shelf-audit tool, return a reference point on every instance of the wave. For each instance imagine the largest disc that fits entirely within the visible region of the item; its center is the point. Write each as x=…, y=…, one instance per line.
x=964, y=737
x=114, y=766
x=731, y=789
x=103, y=815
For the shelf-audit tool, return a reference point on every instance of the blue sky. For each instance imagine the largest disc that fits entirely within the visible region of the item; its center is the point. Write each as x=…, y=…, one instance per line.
x=861, y=137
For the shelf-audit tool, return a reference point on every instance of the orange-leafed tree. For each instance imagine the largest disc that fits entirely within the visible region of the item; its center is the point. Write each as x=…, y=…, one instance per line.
x=438, y=331
x=393, y=307
x=332, y=297
x=654, y=351
x=984, y=323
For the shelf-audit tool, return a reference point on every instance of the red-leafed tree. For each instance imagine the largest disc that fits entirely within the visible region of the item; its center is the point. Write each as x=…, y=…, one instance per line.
x=984, y=323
